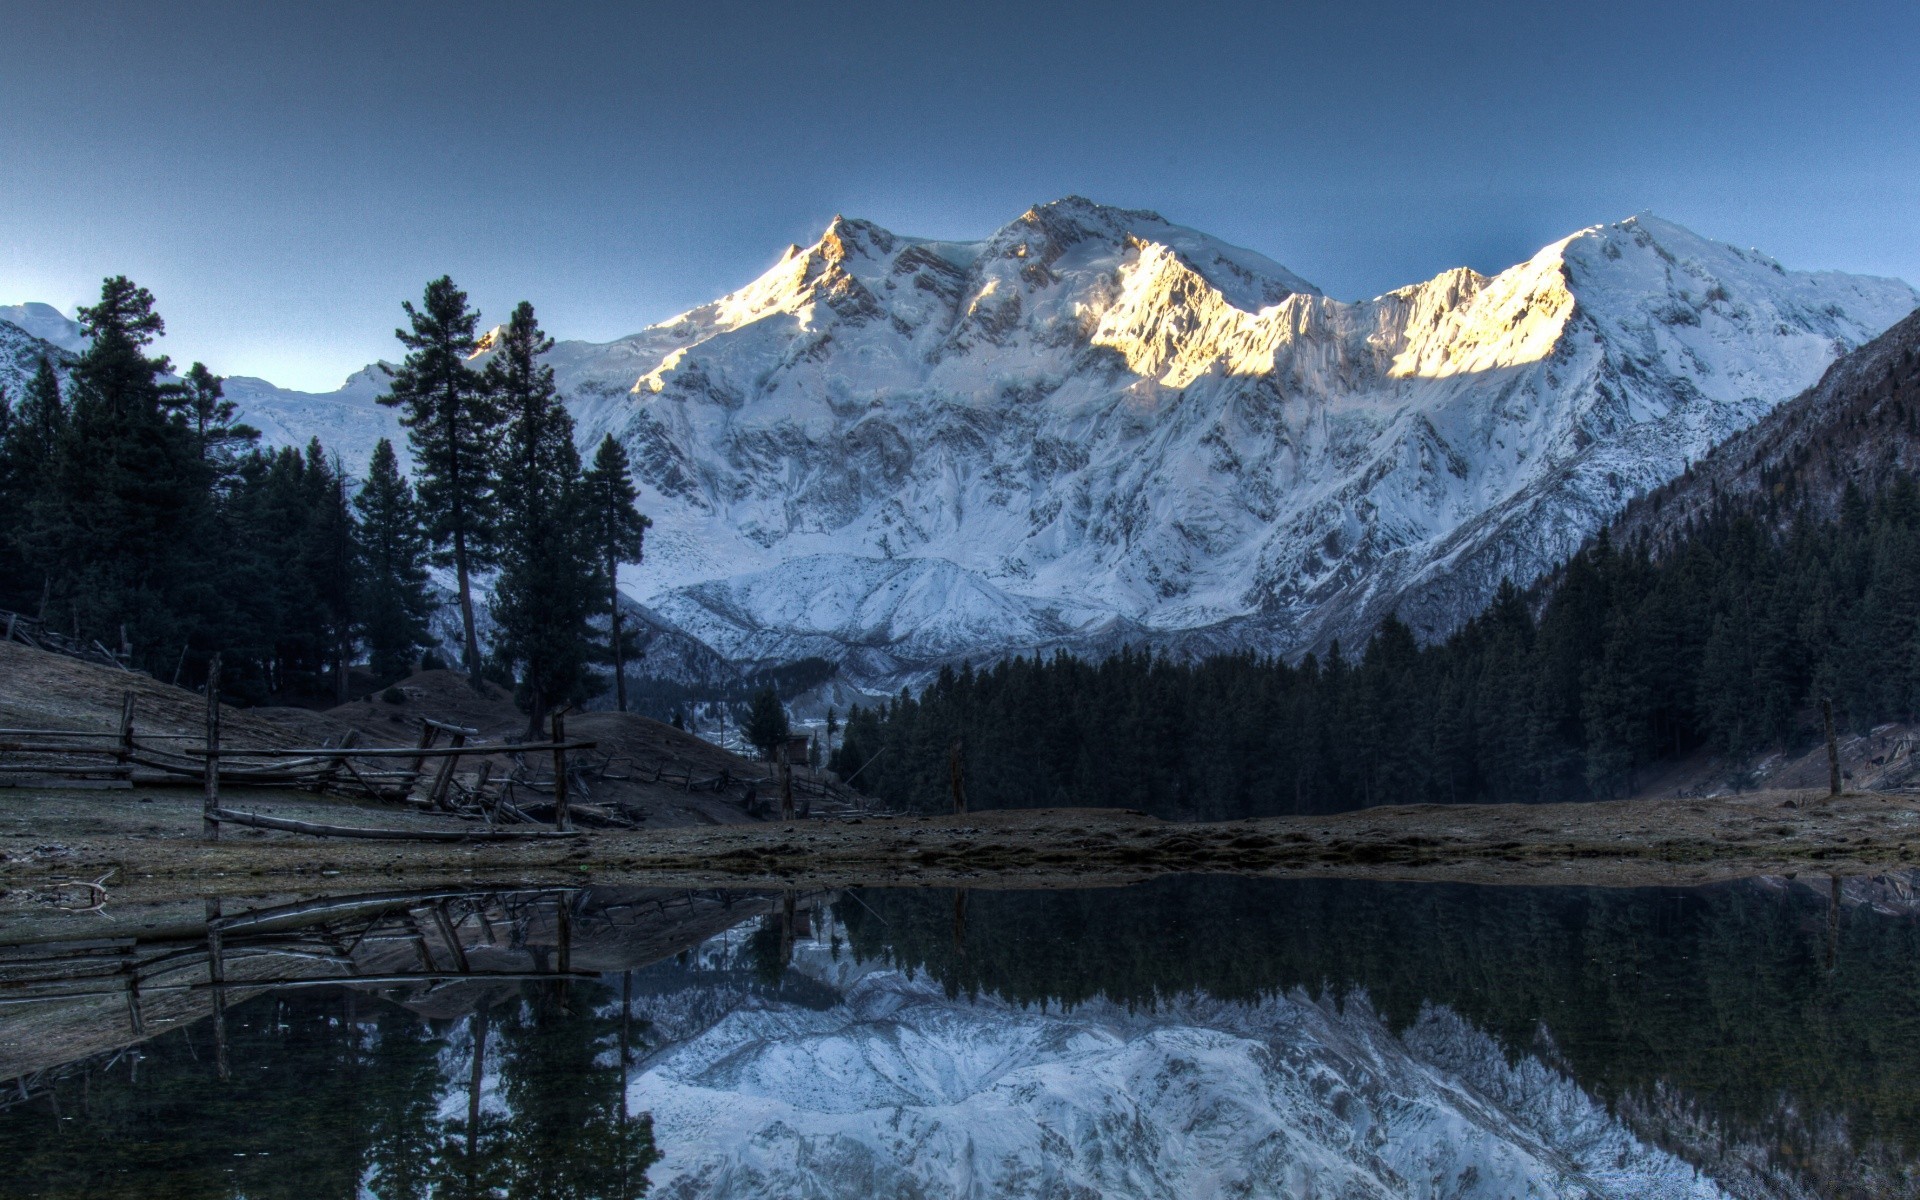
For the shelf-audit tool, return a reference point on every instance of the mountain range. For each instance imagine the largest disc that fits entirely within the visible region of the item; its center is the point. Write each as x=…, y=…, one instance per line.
x=1097, y=428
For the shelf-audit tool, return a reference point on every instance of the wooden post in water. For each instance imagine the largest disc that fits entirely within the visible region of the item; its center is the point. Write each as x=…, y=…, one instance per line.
x=1833, y=748
x=474, y=1078
x=561, y=819
x=957, y=777
x=217, y=976
x=209, y=821
x=1833, y=923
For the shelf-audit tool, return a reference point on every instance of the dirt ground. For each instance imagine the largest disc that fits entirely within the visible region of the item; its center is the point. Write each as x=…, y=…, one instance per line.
x=147, y=841
x=149, y=844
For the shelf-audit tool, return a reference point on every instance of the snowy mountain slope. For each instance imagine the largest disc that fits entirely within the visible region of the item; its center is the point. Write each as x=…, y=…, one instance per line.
x=47, y=323
x=899, y=1090
x=1094, y=422
x=1095, y=427
x=1856, y=428
x=20, y=354
x=348, y=422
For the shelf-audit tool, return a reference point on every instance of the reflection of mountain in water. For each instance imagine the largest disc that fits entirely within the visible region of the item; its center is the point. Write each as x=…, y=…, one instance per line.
x=1764, y=1033
x=1189, y=1037
x=900, y=1090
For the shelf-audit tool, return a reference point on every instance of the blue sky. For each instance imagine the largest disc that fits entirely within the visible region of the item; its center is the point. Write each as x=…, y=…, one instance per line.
x=282, y=175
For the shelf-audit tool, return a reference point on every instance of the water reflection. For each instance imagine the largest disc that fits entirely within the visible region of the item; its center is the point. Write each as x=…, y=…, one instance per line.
x=1192, y=1036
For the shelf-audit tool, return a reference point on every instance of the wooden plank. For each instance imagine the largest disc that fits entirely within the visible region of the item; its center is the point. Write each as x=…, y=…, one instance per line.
x=482, y=834
x=70, y=785
x=209, y=827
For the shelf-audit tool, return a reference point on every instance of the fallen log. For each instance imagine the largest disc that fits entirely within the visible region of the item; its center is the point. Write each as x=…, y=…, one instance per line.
x=286, y=825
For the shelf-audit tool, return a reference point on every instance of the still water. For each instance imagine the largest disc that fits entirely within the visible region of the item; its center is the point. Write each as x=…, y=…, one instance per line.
x=1194, y=1037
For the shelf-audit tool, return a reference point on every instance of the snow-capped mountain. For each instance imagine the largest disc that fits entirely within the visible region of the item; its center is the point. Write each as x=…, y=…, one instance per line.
x=1096, y=427
x=47, y=323
x=21, y=351
x=900, y=1090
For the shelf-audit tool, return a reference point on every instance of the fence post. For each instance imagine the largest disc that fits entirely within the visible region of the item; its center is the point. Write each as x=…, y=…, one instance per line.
x=126, y=736
x=1833, y=748
x=957, y=778
x=561, y=819
x=209, y=822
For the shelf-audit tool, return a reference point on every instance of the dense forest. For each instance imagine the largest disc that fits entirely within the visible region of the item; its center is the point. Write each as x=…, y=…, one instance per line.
x=136, y=512
x=1730, y=639
x=1781, y=1021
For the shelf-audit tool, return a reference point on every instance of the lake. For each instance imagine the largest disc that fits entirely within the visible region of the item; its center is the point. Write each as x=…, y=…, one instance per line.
x=1195, y=1036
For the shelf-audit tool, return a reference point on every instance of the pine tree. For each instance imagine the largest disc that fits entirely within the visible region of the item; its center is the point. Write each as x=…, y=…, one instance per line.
x=393, y=592
x=202, y=398
x=767, y=721
x=452, y=427
x=34, y=429
x=546, y=591
x=617, y=531
x=334, y=564
x=126, y=498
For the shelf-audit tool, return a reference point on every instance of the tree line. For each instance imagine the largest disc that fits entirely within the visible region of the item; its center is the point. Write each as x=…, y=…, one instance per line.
x=1729, y=639
x=136, y=511
x=1776, y=1023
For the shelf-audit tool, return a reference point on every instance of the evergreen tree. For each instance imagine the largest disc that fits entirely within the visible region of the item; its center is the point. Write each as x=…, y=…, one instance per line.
x=548, y=583
x=216, y=436
x=766, y=721
x=617, y=531
x=452, y=427
x=332, y=553
x=121, y=518
x=393, y=601
x=34, y=428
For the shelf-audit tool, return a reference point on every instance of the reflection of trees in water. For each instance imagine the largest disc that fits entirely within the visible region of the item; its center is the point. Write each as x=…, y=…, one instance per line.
x=1723, y=995
x=324, y=1096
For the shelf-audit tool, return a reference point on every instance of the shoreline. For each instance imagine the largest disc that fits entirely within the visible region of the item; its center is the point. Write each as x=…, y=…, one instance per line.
x=152, y=845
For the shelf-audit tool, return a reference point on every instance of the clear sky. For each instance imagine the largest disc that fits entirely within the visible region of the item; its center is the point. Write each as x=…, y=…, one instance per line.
x=281, y=175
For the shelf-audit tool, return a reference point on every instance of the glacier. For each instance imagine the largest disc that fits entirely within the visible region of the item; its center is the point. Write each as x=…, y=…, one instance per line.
x=1097, y=428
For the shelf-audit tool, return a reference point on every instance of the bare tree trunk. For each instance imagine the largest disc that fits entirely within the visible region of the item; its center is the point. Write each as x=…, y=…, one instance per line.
x=957, y=779
x=619, y=651
x=472, y=648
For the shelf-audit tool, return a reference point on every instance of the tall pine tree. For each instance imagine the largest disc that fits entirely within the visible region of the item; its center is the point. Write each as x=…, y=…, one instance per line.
x=617, y=532
x=35, y=428
x=126, y=501
x=547, y=585
x=393, y=595
x=452, y=427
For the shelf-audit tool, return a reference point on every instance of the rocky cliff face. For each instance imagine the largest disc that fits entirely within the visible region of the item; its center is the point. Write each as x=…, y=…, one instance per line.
x=1096, y=427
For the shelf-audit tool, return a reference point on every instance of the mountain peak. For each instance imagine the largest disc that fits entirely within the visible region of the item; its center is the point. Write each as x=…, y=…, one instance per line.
x=47, y=323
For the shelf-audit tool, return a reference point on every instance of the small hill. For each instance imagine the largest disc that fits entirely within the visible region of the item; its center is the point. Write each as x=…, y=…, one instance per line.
x=395, y=712
x=43, y=690
x=642, y=768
